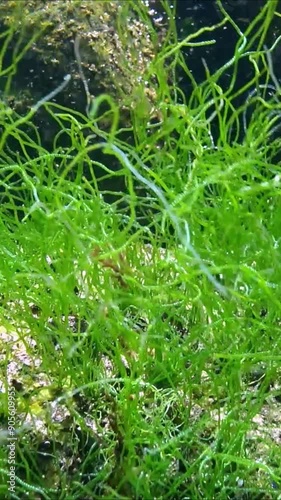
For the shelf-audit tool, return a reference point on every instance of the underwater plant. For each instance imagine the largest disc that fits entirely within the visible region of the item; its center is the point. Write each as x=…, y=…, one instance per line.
x=140, y=273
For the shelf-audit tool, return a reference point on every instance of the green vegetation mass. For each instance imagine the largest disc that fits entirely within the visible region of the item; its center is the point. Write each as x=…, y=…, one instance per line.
x=141, y=276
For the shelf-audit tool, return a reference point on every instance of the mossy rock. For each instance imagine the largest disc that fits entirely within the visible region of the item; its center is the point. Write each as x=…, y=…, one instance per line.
x=116, y=46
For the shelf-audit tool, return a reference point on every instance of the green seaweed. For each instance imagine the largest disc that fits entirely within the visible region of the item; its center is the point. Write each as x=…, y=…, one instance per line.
x=141, y=335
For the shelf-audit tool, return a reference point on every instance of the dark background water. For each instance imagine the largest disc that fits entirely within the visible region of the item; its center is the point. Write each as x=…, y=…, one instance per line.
x=194, y=14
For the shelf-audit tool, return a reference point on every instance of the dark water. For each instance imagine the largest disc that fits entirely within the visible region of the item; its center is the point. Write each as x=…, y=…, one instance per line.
x=192, y=15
